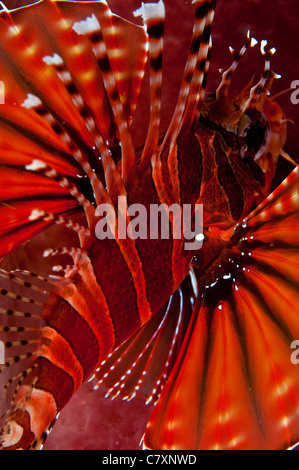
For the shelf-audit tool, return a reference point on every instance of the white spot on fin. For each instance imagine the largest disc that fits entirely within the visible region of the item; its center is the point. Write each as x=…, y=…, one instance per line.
x=55, y=59
x=31, y=101
x=151, y=10
x=36, y=214
x=89, y=25
x=36, y=165
x=48, y=252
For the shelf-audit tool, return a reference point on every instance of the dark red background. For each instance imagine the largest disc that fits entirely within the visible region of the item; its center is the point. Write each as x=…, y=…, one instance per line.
x=90, y=421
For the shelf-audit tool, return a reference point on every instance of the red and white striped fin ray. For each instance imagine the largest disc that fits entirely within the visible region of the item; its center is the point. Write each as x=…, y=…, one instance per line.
x=259, y=91
x=202, y=40
x=227, y=75
x=197, y=89
x=75, y=91
x=49, y=172
x=202, y=9
x=15, y=231
x=112, y=176
x=153, y=15
x=125, y=43
x=28, y=135
x=201, y=92
x=83, y=232
x=195, y=73
x=239, y=343
x=102, y=31
x=33, y=102
x=21, y=330
x=86, y=296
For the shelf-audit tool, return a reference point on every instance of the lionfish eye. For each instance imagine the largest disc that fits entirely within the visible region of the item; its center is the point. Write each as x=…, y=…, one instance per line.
x=253, y=133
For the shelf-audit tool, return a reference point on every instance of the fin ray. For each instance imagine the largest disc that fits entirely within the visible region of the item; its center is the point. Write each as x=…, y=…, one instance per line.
x=143, y=363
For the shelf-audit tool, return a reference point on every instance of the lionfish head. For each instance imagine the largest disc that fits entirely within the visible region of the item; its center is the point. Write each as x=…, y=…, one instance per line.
x=257, y=122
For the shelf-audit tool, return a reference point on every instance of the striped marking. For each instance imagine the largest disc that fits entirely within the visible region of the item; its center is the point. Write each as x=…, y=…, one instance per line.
x=227, y=75
x=50, y=379
x=193, y=79
x=167, y=183
x=201, y=95
x=50, y=172
x=95, y=33
x=59, y=352
x=132, y=259
x=66, y=78
x=100, y=321
x=78, y=312
x=197, y=91
x=108, y=264
x=197, y=36
x=153, y=17
x=19, y=376
x=115, y=184
x=13, y=295
x=260, y=88
x=87, y=297
x=82, y=231
x=33, y=102
x=178, y=263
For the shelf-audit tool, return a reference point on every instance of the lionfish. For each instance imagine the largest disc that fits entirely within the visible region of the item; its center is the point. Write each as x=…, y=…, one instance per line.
x=205, y=333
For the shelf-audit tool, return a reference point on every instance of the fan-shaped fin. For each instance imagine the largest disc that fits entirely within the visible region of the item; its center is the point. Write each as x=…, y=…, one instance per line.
x=16, y=226
x=54, y=83
x=234, y=385
x=24, y=313
x=113, y=53
x=46, y=28
x=21, y=325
